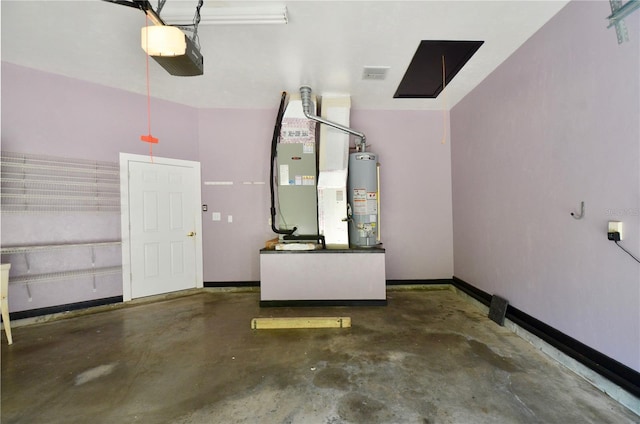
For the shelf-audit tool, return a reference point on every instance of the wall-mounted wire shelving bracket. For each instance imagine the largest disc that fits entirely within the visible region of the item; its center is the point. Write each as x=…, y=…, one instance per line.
x=619, y=11
x=28, y=264
x=60, y=275
x=93, y=267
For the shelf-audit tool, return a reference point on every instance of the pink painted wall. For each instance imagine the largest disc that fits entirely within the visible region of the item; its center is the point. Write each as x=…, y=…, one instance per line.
x=554, y=125
x=415, y=180
x=235, y=146
x=415, y=184
x=54, y=115
x=58, y=116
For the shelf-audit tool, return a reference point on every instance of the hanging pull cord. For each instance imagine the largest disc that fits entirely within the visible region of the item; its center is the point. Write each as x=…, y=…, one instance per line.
x=148, y=138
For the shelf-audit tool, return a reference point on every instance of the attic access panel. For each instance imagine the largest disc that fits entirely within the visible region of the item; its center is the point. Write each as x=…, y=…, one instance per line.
x=423, y=78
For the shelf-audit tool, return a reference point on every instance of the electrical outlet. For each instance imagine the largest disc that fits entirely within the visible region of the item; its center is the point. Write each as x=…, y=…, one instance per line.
x=215, y=216
x=614, y=233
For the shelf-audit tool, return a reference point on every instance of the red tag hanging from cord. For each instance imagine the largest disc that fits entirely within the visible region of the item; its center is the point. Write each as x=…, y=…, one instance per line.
x=148, y=138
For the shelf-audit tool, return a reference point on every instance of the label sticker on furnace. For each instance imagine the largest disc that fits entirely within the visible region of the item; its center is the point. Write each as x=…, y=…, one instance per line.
x=284, y=174
x=308, y=148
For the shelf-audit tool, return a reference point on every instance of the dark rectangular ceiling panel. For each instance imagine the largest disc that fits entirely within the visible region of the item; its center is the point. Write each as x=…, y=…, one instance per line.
x=423, y=78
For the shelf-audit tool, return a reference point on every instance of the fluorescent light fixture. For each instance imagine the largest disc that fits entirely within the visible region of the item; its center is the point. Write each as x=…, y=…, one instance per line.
x=163, y=41
x=233, y=16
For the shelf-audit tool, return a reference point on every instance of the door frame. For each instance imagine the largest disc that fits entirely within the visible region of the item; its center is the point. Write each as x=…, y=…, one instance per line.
x=125, y=158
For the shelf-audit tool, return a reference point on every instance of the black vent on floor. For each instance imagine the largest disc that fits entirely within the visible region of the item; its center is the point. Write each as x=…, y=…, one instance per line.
x=498, y=309
x=423, y=78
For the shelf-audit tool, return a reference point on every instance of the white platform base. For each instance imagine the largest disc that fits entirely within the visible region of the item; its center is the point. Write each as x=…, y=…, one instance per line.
x=323, y=275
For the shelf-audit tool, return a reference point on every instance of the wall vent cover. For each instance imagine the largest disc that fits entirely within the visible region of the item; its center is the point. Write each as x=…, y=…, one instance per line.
x=423, y=78
x=498, y=309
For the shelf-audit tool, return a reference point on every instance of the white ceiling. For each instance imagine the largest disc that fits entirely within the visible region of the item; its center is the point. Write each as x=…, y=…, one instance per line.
x=325, y=45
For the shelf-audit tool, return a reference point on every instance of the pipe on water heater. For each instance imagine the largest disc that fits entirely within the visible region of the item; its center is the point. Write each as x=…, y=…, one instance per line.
x=307, y=104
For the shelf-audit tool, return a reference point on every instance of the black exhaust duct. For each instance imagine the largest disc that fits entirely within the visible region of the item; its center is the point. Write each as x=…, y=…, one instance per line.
x=274, y=144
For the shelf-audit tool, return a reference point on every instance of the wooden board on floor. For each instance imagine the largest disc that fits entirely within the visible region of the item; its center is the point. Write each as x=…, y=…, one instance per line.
x=300, y=322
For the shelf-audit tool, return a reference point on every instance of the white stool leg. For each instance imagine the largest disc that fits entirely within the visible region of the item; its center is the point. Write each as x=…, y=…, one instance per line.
x=5, y=319
x=4, y=301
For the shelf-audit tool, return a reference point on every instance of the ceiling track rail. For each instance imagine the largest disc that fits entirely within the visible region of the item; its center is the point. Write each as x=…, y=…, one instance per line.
x=619, y=11
x=145, y=6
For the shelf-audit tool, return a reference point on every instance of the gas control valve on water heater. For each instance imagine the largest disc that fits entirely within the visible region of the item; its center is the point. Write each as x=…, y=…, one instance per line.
x=363, y=199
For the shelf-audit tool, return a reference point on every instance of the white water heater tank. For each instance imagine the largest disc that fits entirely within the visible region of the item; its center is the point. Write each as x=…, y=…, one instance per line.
x=363, y=199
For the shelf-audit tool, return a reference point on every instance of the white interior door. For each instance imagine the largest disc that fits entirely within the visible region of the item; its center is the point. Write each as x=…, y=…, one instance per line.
x=163, y=240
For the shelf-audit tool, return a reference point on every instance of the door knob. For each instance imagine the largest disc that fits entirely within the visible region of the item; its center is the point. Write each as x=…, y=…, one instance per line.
x=191, y=234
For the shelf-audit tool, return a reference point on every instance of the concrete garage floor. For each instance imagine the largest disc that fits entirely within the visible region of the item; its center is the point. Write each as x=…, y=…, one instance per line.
x=428, y=357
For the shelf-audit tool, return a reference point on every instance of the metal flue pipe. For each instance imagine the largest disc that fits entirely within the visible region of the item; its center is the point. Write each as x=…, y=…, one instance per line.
x=307, y=105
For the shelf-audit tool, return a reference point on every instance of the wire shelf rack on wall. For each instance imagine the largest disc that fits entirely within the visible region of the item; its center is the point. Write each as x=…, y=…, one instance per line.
x=27, y=252
x=66, y=275
x=38, y=183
